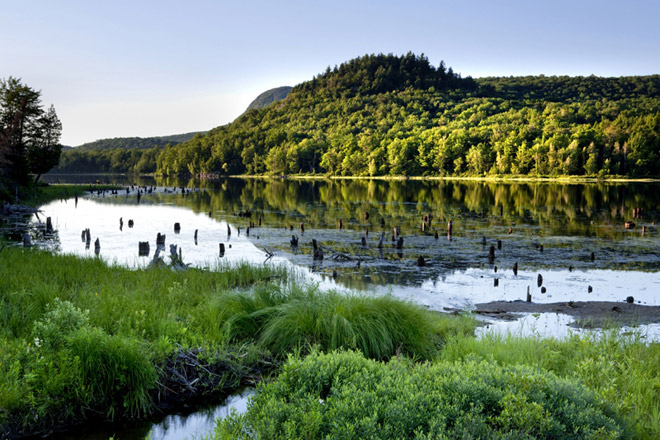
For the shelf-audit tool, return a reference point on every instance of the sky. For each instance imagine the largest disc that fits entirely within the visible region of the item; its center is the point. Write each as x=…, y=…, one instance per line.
x=154, y=68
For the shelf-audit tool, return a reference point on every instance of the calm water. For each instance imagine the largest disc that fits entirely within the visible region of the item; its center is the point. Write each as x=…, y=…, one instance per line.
x=546, y=228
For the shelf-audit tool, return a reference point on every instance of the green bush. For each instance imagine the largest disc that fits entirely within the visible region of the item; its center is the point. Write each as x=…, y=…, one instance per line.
x=344, y=395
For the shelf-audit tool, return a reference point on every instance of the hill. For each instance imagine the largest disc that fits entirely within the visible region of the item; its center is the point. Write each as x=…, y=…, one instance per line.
x=268, y=97
x=387, y=115
x=139, y=143
x=399, y=115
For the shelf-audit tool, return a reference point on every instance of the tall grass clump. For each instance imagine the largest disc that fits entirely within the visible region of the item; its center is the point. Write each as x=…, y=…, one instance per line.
x=378, y=326
x=623, y=370
x=344, y=395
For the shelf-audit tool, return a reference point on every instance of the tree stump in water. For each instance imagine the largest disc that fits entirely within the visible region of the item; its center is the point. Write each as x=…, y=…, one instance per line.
x=97, y=246
x=399, y=243
x=499, y=245
x=143, y=248
x=318, y=252
x=130, y=223
x=491, y=254
x=222, y=249
x=49, y=225
x=539, y=280
x=515, y=268
x=177, y=228
x=421, y=262
x=160, y=239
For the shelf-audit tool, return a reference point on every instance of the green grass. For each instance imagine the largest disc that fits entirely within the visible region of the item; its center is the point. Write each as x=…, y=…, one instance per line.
x=84, y=340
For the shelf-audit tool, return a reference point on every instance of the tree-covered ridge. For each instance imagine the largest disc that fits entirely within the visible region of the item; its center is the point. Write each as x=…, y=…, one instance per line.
x=138, y=143
x=571, y=88
x=374, y=74
x=383, y=115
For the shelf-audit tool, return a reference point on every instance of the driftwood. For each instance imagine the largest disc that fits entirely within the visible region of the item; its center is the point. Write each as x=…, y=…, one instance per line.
x=269, y=254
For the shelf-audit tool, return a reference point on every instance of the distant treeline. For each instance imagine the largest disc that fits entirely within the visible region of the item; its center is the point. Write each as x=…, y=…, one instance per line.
x=382, y=115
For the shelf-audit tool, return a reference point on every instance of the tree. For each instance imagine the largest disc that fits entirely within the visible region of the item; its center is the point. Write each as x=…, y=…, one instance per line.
x=43, y=153
x=29, y=136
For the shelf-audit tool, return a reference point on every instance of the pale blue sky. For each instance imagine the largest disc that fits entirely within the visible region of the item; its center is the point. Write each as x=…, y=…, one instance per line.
x=147, y=68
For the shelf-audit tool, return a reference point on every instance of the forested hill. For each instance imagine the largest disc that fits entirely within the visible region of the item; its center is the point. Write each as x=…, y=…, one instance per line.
x=139, y=143
x=382, y=115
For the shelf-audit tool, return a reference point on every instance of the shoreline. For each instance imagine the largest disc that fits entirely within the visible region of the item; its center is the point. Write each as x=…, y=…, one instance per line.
x=587, y=314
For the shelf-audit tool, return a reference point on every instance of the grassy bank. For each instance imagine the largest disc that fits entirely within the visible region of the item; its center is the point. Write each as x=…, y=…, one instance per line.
x=82, y=340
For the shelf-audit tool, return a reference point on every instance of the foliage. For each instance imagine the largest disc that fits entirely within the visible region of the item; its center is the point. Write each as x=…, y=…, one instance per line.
x=384, y=115
x=136, y=143
x=29, y=136
x=344, y=395
x=622, y=370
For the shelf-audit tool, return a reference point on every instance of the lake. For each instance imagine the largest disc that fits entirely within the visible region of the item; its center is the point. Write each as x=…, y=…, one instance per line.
x=572, y=234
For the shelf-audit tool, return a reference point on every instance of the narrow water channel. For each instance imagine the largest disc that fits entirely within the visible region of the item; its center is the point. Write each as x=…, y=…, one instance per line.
x=180, y=426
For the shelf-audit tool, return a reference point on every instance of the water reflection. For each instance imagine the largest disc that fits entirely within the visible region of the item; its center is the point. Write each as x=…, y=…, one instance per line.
x=562, y=228
x=172, y=427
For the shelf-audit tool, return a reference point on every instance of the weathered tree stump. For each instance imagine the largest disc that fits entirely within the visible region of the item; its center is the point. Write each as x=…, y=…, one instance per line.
x=590, y=289
x=539, y=280
x=380, y=242
x=499, y=245
x=294, y=241
x=399, y=243
x=318, y=252
x=543, y=289
x=160, y=239
x=529, y=295
x=491, y=254
x=496, y=282
x=222, y=249
x=339, y=224
x=49, y=225
x=196, y=235
x=515, y=268
x=397, y=231
x=593, y=256
x=97, y=246
x=143, y=248
x=450, y=227
x=421, y=262
x=177, y=228
x=363, y=241
x=228, y=231
x=130, y=223
x=436, y=235
x=302, y=227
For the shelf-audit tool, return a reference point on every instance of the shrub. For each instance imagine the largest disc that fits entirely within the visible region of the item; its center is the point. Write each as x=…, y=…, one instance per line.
x=344, y=395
